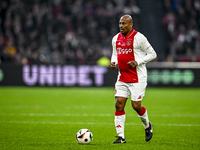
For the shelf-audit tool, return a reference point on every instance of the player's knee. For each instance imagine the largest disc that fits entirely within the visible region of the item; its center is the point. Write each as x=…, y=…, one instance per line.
x=136, y=106
x=119, y=106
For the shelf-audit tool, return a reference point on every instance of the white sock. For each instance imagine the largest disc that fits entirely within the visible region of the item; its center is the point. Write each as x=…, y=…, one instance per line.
x=119, y=124
x=145, y=120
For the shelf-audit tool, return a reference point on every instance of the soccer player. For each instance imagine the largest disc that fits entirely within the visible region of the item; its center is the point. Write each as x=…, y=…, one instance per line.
x=131, y=52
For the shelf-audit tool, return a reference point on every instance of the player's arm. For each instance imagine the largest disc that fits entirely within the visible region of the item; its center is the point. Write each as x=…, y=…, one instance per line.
x=148, y=49
x=113, y=63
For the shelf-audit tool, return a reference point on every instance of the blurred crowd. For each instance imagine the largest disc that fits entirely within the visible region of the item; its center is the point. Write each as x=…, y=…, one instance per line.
x=80, y=31
x=182, y=21
x=60, y=31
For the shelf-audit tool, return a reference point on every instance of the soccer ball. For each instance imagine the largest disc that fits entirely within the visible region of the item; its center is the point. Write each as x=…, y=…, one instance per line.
x=84, y=136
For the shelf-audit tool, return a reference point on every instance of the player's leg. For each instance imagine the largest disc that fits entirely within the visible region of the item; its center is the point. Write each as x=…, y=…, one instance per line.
x=121, y=95
x=142, y=112
x=137, y=94
x=120, y=115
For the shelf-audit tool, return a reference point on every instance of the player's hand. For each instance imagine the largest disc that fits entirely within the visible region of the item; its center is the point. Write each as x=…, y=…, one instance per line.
x=112, y=65
x=132, y=63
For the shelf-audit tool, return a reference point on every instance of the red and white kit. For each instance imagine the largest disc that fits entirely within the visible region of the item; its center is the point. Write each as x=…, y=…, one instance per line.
x=135, y=47
x=131, y=81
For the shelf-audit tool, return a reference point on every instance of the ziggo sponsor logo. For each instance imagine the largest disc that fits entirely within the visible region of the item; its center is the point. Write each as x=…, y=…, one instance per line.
x=124, y=50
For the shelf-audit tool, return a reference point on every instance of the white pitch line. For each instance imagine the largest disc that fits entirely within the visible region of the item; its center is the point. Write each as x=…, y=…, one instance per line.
x=52, y=115
x=92, y=123
x=95, y=115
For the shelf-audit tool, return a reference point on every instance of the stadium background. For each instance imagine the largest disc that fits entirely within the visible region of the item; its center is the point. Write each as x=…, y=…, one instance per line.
x=61, y=38
x=48, y=44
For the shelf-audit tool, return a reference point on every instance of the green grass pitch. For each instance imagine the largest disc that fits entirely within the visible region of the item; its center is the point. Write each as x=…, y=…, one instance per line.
x=48, y=118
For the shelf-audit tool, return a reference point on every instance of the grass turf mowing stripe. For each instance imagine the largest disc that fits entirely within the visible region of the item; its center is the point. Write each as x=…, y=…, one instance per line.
x=50, y=122
x=95, y=115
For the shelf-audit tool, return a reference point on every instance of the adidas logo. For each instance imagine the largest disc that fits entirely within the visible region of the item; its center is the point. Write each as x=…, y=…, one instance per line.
x=118, y=126
x=119, y=43
x=123, y=44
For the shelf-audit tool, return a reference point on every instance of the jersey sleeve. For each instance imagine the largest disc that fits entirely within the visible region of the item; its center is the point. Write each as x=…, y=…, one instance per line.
x=114, y=52
x=146, y=47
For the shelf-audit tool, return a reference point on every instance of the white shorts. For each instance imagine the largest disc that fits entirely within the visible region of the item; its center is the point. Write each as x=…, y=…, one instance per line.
x=137, y=90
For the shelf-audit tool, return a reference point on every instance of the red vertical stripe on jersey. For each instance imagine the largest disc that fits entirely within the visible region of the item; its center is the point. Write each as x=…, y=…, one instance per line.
x=125, y=53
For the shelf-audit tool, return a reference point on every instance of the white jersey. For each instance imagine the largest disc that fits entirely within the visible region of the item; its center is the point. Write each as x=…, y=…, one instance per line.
x=134, y=46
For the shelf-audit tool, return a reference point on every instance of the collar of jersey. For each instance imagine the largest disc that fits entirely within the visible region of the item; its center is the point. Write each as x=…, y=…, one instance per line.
x=129, y=35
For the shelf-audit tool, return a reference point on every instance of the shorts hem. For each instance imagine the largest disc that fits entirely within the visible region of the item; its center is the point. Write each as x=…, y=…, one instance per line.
x=121, y=96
